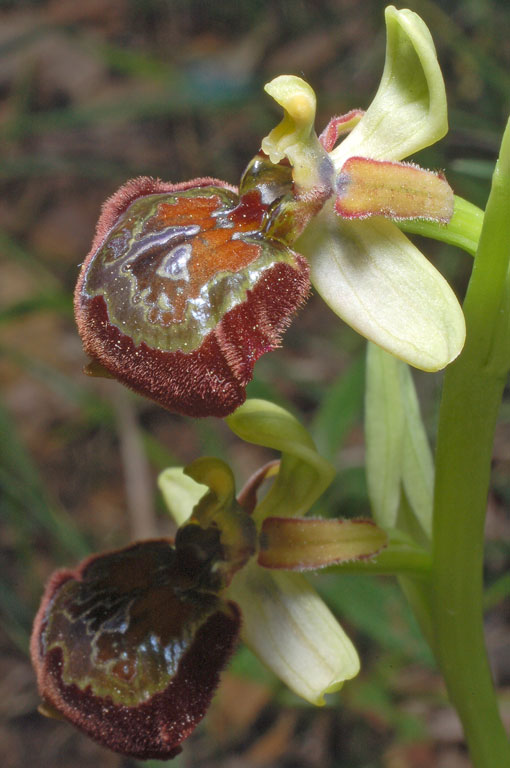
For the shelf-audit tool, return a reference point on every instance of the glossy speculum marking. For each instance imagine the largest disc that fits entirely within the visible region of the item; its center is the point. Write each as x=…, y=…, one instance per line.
x=129, y=647
x=182, y=291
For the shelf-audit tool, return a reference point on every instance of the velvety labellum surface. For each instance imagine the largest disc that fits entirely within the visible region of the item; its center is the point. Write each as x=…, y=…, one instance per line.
x=185, y=292
x=129, y=648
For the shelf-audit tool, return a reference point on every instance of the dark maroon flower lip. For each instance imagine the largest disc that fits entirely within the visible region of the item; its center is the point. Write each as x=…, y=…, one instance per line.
x=129, y=650
x=182, y=292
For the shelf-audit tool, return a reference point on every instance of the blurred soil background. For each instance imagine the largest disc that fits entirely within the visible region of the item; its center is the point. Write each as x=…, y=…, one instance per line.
x=98, y=91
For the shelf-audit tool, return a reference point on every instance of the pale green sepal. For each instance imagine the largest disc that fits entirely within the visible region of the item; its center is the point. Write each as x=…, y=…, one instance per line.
x=293, y=632
x=304, y=474
x=376, y=280
x=384, y=434
x=180, y=492
x=417, y=461
x=409, y=110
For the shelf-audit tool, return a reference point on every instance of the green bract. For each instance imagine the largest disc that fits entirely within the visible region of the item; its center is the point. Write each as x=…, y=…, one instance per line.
x=398, y=456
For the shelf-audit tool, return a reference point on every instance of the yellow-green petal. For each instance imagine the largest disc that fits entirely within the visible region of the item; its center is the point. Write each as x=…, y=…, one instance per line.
x=293, y=632
x=409, y=111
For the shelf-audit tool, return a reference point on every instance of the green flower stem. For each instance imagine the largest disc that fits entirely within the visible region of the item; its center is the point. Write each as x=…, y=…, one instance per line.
x=463, y=229
x=472, y=394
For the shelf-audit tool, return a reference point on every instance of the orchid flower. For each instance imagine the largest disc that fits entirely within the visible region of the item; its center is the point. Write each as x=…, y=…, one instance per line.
x=129, y=646
x=361, y=264
x=187, y=285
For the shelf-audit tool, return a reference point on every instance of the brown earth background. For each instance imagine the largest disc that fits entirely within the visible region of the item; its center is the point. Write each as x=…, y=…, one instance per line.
x=98, y=91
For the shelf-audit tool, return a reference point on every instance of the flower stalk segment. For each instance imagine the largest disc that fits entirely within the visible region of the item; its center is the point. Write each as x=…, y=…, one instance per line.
x=463, y=229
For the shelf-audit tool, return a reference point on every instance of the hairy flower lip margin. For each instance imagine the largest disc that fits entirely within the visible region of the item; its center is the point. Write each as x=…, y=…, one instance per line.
x=209, y=377
x=115, y=205
x=159, y=721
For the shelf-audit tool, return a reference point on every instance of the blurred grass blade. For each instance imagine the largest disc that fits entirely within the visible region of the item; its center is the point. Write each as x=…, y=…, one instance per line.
x=56, y=301
x=26, y=500
x=340, y=408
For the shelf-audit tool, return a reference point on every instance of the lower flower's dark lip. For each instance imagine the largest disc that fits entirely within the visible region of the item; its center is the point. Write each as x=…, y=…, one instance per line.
x=139, y=686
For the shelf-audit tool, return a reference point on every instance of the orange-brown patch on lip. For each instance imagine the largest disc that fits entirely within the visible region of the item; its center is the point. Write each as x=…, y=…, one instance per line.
x=185, y=211
x=215, y=251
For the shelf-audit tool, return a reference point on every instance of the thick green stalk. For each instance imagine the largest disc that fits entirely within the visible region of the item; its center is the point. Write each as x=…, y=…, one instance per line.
x=402, y=557
x=463, y=229
x=472, y=394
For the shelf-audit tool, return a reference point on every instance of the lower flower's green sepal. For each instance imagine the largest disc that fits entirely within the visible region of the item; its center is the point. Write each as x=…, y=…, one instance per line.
x=293, y=632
